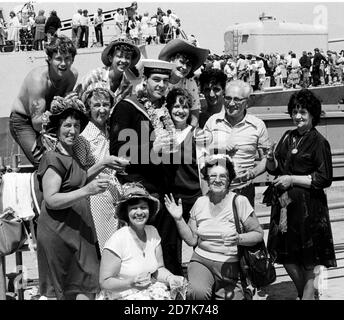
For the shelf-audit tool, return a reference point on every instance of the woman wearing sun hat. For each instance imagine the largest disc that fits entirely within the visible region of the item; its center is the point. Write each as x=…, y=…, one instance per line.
x=132, y=257
x=141, y=129
x=187, y=59
x=67, y=252
x=118, y=57
x=91, y=147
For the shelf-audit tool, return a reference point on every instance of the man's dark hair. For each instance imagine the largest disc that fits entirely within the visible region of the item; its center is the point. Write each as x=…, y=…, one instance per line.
x=212, y=76
x=61, y=44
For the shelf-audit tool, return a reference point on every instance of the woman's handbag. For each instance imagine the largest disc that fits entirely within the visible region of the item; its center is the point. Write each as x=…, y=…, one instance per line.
x=12, y=234
x=255, y=262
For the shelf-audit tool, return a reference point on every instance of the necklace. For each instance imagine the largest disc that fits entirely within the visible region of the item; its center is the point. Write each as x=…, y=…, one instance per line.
x=295, y=149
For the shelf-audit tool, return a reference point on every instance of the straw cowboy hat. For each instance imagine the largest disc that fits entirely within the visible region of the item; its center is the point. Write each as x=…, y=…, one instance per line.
x=60, y=108
x=198, y=55
x=135, y=190
x=109, y=51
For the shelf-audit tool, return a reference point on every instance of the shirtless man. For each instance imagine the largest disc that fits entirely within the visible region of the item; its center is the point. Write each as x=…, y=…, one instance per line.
x=57, y=78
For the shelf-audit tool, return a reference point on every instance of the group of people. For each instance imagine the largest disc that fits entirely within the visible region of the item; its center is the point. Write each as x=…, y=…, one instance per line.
x=286, y=71
x=28, y=31
x=145, y=29
x=126, y=173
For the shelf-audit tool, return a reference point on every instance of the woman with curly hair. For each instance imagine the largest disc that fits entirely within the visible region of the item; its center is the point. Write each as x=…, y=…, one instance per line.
x=67, y=250
x=183, y=171
x=214, y=270
x=300, y=235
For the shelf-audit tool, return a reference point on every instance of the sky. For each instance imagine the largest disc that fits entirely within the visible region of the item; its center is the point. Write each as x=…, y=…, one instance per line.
x=209, y=20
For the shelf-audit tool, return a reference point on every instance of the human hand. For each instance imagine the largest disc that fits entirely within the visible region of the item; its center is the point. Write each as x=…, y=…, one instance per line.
x=232, y=150
x=176, y=210
x=202, y=137
x=116, y=163
x=269, y=150
x=162, y=140
x=245, y=176
x=98, y=185
x=141, y=281
x=175, y=281
x=230, y=238
x=283, y=182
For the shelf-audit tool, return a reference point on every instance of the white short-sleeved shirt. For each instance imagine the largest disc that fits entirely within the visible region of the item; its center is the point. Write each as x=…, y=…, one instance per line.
x=134, y=262
x=248, y=135
x=212, y=220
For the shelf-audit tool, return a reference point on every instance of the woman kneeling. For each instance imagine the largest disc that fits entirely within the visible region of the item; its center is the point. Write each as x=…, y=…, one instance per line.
x=132, y=257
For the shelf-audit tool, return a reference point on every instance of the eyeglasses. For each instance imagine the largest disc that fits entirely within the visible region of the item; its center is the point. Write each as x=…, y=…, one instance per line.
x=222, y=177
x=236, y=100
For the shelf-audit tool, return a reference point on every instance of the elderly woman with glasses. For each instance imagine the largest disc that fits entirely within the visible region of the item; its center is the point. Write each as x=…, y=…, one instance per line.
x=214, y=270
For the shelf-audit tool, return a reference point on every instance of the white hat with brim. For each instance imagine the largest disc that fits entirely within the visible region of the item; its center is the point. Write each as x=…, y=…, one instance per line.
x=135, y=190
x=196, y=54
x=109, y=50
x=156, y=66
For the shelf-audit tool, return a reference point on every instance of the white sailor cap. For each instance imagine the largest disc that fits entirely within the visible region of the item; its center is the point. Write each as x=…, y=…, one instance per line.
x=156, y=66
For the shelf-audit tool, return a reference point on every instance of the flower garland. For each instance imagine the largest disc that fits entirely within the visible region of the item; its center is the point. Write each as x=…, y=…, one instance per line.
x=159, y=117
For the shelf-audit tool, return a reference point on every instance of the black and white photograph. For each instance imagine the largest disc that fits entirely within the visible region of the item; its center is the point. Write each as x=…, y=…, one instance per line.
x=175, y=152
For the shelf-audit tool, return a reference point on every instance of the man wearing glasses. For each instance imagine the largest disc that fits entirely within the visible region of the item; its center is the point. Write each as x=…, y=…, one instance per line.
x=241, y=134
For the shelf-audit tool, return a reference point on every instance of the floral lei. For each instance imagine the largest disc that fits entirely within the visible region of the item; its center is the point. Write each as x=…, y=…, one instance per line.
x=159, y=117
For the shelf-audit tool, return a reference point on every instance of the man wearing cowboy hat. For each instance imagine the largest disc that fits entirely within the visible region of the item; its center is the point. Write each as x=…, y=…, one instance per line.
x=140, y=128
x=187, y=59
x=57, y=78
x=118, y=57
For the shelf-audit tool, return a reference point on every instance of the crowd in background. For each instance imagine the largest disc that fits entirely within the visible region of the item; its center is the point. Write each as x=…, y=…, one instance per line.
x=282, y=70
x=27, y=31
